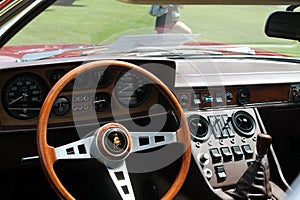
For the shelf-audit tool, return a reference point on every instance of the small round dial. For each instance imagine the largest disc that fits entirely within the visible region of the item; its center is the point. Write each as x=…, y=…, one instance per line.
x=100, y=77
x=102, y=101
x=131, y=89
x=243, y=123
x=56, y=75
x=61, y=106
x=243, y=96
x=23, y=96
x=82, y=79
x=199, y=127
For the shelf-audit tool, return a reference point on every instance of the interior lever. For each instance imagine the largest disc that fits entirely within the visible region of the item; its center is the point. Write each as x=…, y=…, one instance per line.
x=255, y=181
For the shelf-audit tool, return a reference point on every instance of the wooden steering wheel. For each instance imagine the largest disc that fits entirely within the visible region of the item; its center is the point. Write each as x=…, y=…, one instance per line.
x=102, y=144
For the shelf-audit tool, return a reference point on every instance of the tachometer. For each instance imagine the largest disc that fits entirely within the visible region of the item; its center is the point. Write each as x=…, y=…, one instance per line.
x=23, y=96
x=131, y=89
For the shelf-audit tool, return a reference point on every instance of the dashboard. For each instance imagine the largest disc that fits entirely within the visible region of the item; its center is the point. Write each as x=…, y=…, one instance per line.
x=225, y=108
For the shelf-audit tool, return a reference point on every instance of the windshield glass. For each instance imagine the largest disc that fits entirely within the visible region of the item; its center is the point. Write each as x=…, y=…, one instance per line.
x=88, y=22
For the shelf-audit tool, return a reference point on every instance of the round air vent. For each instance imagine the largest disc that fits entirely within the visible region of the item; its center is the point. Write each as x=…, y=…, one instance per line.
x=243, y=123
x=199, y=127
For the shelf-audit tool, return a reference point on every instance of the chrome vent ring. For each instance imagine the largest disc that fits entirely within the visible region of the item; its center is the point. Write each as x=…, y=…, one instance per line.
x=243, y=123
x=199, y=127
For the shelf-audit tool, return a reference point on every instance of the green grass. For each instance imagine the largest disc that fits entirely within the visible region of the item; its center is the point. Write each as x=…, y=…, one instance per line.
x=63, y=24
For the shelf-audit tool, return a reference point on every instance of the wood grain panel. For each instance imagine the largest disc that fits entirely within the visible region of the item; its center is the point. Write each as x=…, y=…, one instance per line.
x=44, y=72
x=260, y=94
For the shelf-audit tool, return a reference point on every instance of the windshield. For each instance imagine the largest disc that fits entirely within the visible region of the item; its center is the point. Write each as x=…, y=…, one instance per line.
x=66, y=22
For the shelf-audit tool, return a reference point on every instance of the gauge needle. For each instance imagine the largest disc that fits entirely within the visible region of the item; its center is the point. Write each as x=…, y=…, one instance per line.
x=126, y=88
x=17, y=99
x=100, y=101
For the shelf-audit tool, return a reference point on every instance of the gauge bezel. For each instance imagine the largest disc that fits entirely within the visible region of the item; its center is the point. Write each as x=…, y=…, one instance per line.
x=107, y=106
x=41, y=85
x=144, y=95
x=238, y=129
x=207, y=135
x=102, y=81
x=65, y=109
x=57, y=72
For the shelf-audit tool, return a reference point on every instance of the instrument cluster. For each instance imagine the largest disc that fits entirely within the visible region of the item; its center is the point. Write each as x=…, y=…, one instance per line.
x=24, y=93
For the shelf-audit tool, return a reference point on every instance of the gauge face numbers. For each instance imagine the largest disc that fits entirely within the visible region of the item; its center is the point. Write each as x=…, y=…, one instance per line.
x=61, y=106
x=23, y=96
x=131, y=89
x=101, y=101
x=81, y=80
x=56, y=75
x=100, y=77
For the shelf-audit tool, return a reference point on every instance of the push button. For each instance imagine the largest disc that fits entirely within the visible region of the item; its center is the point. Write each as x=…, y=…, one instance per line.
x=247, y=151
x=227, y=155
x=215, y=154
x=221, y=174
x=237, y=152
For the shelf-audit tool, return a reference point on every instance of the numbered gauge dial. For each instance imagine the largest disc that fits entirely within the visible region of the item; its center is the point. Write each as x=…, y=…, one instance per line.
x=61, y=106
x=102, y=101
x=131, y=89
x=243, y=96
x=23, y=96
x=56, y=75
x=100, y=77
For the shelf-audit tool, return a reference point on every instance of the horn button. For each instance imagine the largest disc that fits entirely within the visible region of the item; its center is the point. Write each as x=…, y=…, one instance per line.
x=113, y=142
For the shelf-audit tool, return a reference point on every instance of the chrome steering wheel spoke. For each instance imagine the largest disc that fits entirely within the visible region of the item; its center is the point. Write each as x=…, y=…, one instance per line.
x=76, y=150
x=120, y=177
x=148, y=140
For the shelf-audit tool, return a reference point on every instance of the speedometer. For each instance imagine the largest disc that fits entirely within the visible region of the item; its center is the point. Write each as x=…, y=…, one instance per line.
x=131, y=89
x=23, y=96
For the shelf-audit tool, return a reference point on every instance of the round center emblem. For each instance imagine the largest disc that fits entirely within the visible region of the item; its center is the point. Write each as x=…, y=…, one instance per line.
x=116, y=141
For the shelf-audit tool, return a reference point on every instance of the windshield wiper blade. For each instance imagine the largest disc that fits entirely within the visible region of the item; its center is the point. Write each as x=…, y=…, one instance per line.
x=49, y=54
x=186, y=51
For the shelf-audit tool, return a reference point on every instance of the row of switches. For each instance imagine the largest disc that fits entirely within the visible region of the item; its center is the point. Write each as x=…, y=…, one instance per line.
x=227, y=155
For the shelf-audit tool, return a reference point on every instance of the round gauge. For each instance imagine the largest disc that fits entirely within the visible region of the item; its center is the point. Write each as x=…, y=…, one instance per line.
x=102, y=101
x=56, y=75
x=131, y=89
x=243, y=96
x=199, y=127
x=100, y=77
x=61, y=106
x=243, y=123
x=183, y=100
x=82, y=79
x=23, y=96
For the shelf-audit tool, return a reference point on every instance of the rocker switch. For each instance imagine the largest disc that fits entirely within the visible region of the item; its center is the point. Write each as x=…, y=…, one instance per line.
x=237, y=152
x=221, y=174
x=215, y=154
x=247, y=151
x=227, y=155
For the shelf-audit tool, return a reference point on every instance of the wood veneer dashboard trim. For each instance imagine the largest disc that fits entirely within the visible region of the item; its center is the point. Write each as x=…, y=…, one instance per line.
x=10, y=124
x=261, y=95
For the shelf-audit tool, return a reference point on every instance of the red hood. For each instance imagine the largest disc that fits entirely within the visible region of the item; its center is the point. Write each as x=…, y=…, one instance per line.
x=10, y=54
x=14, y=53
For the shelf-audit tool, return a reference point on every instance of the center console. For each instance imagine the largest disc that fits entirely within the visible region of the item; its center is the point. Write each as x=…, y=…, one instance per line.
x=224, y=143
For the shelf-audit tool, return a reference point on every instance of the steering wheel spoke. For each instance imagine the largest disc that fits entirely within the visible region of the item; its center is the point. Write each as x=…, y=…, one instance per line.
x=148, y=140
x=120, y=177
x=76, y=150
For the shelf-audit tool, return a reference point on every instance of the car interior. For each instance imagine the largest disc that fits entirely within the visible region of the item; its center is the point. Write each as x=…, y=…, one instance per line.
x=150, y=124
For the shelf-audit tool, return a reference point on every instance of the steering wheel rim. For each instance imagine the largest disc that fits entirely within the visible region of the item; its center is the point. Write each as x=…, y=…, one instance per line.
x=48, y=155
